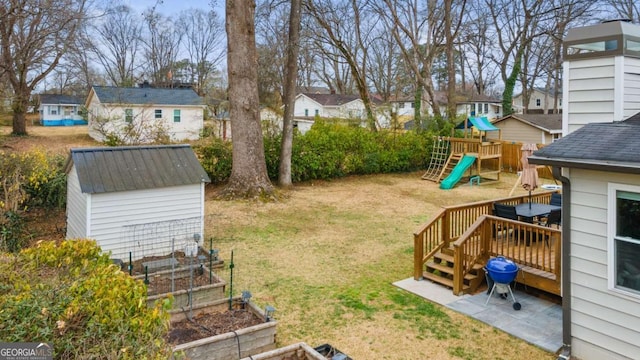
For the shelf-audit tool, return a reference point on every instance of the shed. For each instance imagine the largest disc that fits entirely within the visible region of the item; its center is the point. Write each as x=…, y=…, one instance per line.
x=136, y=201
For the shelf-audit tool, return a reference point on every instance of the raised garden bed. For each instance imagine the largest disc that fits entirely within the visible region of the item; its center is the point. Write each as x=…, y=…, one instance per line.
x=247, y=331
x=298, y=351
x=204, y=289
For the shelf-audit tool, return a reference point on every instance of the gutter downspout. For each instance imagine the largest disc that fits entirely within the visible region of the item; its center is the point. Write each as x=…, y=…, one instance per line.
x=565, y=352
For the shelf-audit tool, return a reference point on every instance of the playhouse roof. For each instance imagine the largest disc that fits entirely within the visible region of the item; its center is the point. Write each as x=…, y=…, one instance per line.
x=127, y=168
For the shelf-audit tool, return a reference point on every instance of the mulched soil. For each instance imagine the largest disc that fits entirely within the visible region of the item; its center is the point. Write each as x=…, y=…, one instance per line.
x=162, y=284
x=210, y=324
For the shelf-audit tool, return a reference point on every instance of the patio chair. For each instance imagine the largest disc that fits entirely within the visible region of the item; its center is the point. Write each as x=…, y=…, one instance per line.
x=556, y=199
x=505, y=211
x=554, y=218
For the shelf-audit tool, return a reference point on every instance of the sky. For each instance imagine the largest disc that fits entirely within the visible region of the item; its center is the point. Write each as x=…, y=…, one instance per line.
x=170, y=7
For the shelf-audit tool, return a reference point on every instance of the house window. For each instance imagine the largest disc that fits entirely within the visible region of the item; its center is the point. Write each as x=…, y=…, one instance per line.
x=486, y=108
x=413, y=105
x=306, y=112
x=176, y=115
x=473, y=109
x=624, y=235
x=128, y=115
x=401, y=105
x=158, y=114
x=53, y=110
x=555, y=137
x=538, y=102
x=317, y=112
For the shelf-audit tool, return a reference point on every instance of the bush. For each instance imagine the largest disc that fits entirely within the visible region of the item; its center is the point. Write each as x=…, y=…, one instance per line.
x=70, y=294
x=216, y=159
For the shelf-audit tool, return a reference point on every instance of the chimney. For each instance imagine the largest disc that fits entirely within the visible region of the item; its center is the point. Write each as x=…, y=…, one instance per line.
x=601, y=74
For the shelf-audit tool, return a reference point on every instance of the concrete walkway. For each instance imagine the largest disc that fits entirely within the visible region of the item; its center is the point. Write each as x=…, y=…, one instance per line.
x=539, y=322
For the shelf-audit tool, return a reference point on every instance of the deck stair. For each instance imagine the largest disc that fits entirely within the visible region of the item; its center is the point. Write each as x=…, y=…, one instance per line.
x=440, y=270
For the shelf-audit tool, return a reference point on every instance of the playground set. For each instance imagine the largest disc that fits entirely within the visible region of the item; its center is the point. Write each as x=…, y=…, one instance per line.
x=475, y=157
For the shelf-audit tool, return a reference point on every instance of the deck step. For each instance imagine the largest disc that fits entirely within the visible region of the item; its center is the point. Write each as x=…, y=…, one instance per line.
x=449, y=259
x=442, y=280
x=447, y=270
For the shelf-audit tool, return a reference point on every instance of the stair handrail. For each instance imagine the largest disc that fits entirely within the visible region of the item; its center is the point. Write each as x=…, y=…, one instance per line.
x=427, y=241
x=466, y=252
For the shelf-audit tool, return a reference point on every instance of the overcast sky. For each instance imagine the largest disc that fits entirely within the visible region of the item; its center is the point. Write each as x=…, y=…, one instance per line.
x=171, y=7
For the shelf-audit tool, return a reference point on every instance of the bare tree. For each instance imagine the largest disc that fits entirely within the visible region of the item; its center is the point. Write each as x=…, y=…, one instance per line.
x=249, y=170
x=625, y=9
x=271, y=32
x=453, y=11
x=161, y=46
x=291, y=73
x=477, y=45
x=204, y=43
x=419, y=33
x=346, y=26
x=116, y=45
x=34, y=35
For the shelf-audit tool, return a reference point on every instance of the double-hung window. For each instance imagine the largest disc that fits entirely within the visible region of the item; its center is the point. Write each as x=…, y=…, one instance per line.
x=158, y=114
x=176, y=115
x=128, y=115
x=624, y=238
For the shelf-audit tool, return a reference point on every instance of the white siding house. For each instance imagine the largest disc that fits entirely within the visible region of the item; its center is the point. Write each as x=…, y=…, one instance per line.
x=136, y=201
x=61, y=110
x=143, y=111
x=530, y=128
x=598, y=162
x=539, y=100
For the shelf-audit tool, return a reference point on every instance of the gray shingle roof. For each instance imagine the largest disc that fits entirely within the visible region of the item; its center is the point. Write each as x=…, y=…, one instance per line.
x=60, y=99
x=146, y=95
x=111, y=169
x=332, y=99
x=549, y=122
x=606, y=146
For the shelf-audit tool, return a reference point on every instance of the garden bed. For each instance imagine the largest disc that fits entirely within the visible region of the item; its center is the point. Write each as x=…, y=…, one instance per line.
x=204, y=288
x=217, y=333
x=298, y=351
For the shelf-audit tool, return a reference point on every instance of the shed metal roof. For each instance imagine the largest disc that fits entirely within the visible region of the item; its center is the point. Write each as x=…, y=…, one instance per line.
x=604, y=146
x=128, y=168
x=146, y=96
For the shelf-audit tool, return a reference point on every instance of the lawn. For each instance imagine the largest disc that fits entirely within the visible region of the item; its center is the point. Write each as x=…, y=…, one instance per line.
x=326, y=254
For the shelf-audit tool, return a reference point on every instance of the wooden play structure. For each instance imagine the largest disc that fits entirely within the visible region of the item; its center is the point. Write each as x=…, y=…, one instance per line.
x=453, y=157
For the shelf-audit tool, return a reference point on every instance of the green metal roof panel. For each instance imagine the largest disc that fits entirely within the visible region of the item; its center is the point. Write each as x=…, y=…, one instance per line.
x=112, y=169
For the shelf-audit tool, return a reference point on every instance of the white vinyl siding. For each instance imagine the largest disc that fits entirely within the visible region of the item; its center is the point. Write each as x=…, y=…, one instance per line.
x=631, y=96
x=111, y=213
x=514, y=130
x=76, y=207
x=604, y=322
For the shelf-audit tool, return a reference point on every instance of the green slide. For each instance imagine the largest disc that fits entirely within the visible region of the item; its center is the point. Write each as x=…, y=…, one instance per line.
x=457, y=172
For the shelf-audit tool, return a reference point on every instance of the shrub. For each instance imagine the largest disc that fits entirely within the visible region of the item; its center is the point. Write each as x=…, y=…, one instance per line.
x=70, y=294
x=216, y=159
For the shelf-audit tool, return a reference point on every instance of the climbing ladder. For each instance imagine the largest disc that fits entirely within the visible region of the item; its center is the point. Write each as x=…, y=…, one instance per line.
x=439, y=160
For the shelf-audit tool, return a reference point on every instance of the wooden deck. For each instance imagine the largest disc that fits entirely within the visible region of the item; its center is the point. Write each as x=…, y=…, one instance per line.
x=463, y=238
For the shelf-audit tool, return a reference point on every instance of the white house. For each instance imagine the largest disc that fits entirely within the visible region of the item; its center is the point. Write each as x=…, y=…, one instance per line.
x=143, y=112
x=598, y=163
x=480, y=106
x=539, y=100
x=309, y=105
x=136, y=201
x=58, y=110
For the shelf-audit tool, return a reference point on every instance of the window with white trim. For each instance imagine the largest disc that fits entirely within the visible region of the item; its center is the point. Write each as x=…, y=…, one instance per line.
x=128, y=115
x=176, y=115
x=158, y=113
x=538, y=102
x=624, y=238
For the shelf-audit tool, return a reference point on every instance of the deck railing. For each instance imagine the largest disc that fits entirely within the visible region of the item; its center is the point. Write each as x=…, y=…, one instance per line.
x=483, y=149
x=472, y=222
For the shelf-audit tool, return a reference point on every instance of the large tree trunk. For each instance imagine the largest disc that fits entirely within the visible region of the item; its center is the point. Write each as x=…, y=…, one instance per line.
x=20, y=106
x=293, y=48
x=249, y=171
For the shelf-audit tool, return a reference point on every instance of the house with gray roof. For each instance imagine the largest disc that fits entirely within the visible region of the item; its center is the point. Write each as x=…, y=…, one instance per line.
x=61, y=110
x=144, y=114
x=530, y=128
x=136, y=201
x=598, y=163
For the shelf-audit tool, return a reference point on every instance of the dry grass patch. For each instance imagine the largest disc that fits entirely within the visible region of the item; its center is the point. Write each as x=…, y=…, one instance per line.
x=326, y=255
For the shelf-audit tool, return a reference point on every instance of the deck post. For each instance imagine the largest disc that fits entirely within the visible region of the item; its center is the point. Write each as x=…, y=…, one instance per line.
x=457, y=270
x=418, y=254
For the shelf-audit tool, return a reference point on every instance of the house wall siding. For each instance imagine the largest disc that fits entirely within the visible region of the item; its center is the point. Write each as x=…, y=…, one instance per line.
x=114, y=214
x=631, y=96
x=605, y=324
x=514, y=130
x=586, y=81
x=304, y=103
x=76, y=207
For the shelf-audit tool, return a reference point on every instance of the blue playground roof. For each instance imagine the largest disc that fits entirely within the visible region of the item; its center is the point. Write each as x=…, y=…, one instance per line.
x=480, y=123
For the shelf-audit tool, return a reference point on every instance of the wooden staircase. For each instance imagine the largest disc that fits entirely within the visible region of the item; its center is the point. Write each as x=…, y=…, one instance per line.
x=440, y=270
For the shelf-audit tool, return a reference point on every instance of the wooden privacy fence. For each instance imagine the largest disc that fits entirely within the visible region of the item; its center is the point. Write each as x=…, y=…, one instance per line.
x=511, y=163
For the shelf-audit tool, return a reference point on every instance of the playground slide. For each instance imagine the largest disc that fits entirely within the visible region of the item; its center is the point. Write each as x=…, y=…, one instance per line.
x=457, y=172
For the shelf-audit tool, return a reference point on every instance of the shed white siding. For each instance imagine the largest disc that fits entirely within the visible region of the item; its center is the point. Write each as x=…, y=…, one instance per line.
x=631, y=94
x=76, y=207
x=599, y=315
x=135, y=220
x=514, y=130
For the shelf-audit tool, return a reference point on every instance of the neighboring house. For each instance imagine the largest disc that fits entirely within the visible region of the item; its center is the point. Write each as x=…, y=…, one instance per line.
x=480, y=106
x=59, y=110
x=136, y=201
x=309, y=105
x=539, y=99
x=598, y=163
x=178, y=112
x=530, y=128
